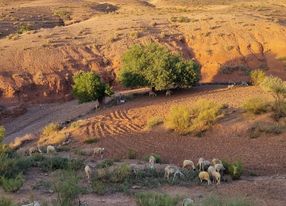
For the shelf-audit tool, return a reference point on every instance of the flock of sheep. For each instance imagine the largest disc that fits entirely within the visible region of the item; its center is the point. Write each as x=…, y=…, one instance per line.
x=207, y=170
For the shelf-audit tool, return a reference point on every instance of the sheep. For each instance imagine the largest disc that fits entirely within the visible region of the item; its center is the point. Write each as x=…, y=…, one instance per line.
x=219, y=167
x=172, y=170
x=152, y=94
x=211, y=169
x=188, y=202
x=216, y=161
x=51, y=150
x=98, y=151
x=217, y=177
x=34, y=150
x=187, y=163
x=168, y=93
x=152, y=161
x=88, y=172
x=200, y=163
x=204, y=176
x=230, y=86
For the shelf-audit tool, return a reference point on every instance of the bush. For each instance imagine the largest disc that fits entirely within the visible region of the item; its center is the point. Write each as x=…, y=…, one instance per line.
x=233, y=169
x=131, y=154
x=105, y=164
x=179, y=119
x=99, y=187
x=2, y=133
x=50, y=129
x=255, y=106
x=56, y=163
x=277, y=88
x=196, y=119
x=67, y=187
x=121, y=173
x=12, y=184
x=156, y=67
x=153, y=121
x=257, y=77
x=259, y=128
x=89, y=87
x=6, y=202
x=155, y=199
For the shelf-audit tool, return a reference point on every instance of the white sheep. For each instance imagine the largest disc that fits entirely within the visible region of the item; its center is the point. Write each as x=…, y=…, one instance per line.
x=152, y=94
x=168, y=93
x=172, y=170
x=219, y=167
x=88, y=172
x=188, y=202
x=230, y=86
x=152, y=161
x=211, y=169
x=205, y=176
x=98, y=151
x=51, y=150
x=203, y=164
x=200, y=163
x=216, y=161
x=187, y=163
x=217, y=177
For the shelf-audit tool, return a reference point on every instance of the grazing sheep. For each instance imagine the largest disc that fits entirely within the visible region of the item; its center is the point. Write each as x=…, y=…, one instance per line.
x=188, y=202
x=217, y=177
x=51, y=150
x=152, y=161
x=219, y=167
x=204, y=176
x=188, y=163
x=34, y=150
x=216, y=161
x=88, y=172
x=152, y=94
x=211, y=169
x=205, y=165
x=168, y=93
x=230, y=86
x=98, y=151
x=200, y=163
x=172, y=170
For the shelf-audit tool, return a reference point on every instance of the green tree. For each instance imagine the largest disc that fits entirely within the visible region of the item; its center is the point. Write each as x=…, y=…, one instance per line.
x=155, y=66
x=89, y=87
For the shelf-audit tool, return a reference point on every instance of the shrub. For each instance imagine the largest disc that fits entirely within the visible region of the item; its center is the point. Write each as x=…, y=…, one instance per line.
x=121, y=173
x=12, y=184
x=257, y=77
x=91, y=140
x=255, y=106
x=105, y=163
x=50, y=129
x=259, y=128
x=55, y=163
x=98, y=187
x=89, y=87
x=155, y=199
x=67, y=187
x=6, y=202
x=234, y=169
x=196, y=119
x=156, y=67
x=131, y=154
x=23, y=28
x=153, y=121
x=277, y=87
x=179, y=119
x=2, y=133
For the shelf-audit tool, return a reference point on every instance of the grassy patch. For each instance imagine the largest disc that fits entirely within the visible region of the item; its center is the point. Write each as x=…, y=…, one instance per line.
x=6, y=202
x=257, y=77
x=260, y=128
x=155, y=199
x=105, y=163
x=234, y=169
x=213, y=200
x=180, y=19
x=153, y=122
x=255, y=106
x=12, y=184
x=23, y=28
x=50, y=129
x=63, y=14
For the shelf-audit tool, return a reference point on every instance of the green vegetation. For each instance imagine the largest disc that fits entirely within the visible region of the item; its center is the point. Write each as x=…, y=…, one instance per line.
x=234, y=169
x=260, y=128
x=155, y=199
x=23, y=28
x=50, y=129
x=154, y=121
x=63, y=14
x=277, y=88
x=12, y=184
x=6, y=202
x=67, y=187
x=2, y=133
x=196, y=119
x=105, y=163
x=257, y=77
x=155, y=66
x=89, y=87
x=91, y=140
x=255, y=106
